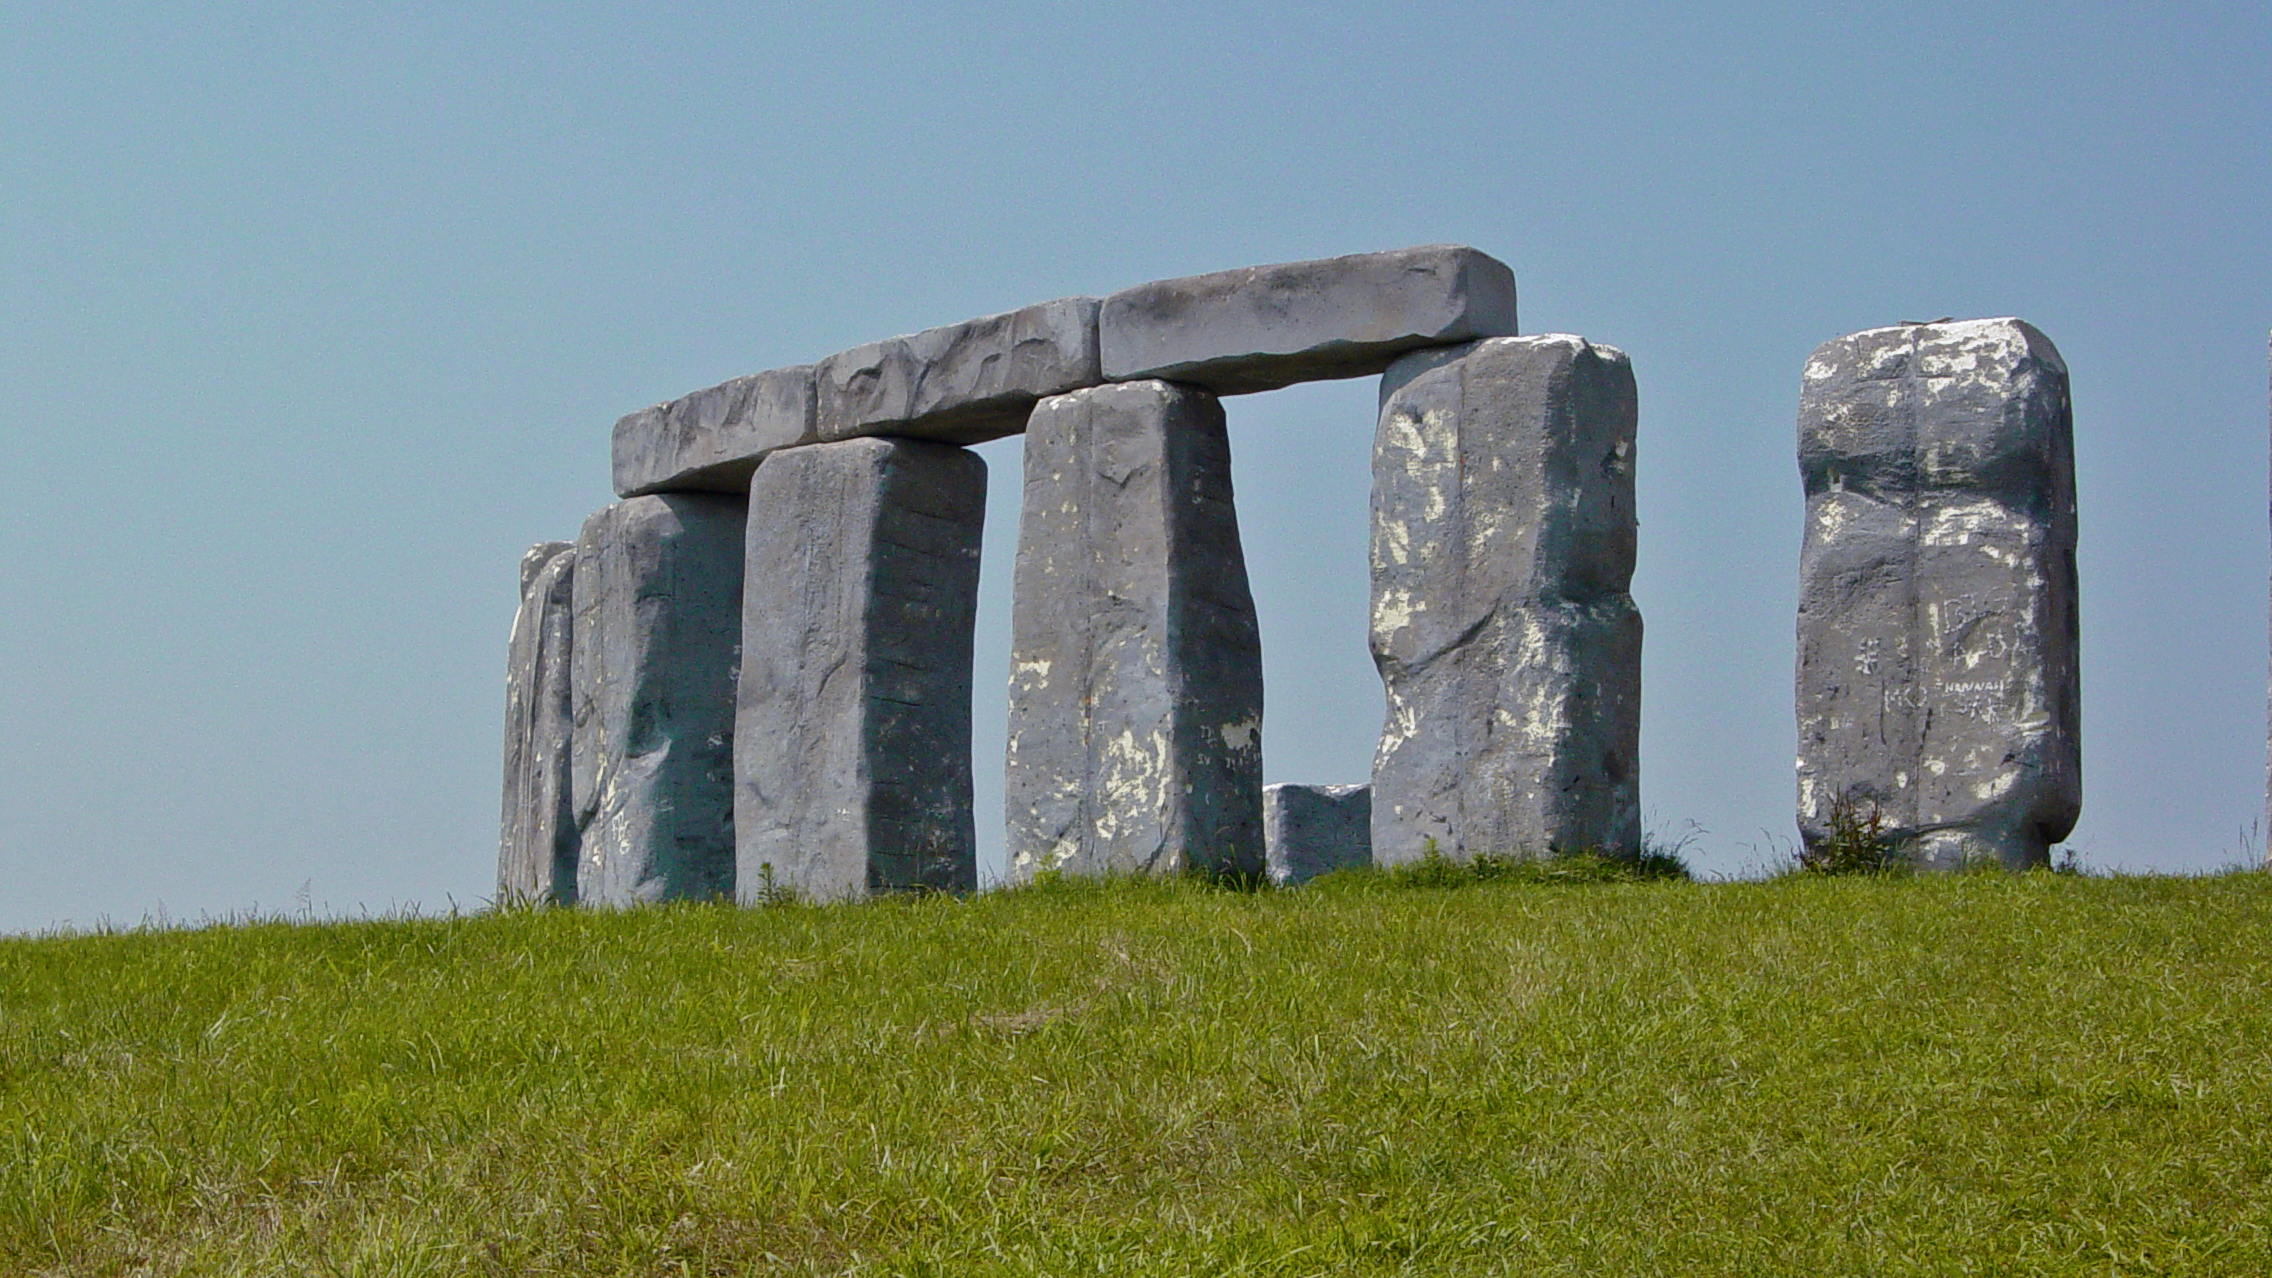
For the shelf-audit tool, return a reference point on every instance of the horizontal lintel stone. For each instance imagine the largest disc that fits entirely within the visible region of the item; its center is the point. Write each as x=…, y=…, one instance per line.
x=962, y=384
x=1262, y=327
x=711, y=440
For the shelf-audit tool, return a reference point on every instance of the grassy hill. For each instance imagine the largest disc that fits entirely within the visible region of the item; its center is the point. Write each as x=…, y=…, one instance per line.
x=1977, y=1074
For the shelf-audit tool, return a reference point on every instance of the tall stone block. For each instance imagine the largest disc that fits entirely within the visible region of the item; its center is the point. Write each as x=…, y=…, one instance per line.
x=1135, y=740
x=658, y=610
x=852, y=759
x=1502, y=548
x=536, y=844
x=1937, y=635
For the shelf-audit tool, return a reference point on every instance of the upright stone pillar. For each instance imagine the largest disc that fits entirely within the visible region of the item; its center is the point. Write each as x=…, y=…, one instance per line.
x=1938, y=688
x=1135, y=741
x=536, y=844
x=658, y=608
x=852, y=759
x=1502, y=548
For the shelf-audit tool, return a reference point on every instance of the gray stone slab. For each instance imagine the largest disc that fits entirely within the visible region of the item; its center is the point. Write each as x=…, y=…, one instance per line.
x=1135, y=742
x=1937, y=634
x=852, y=768
x=658, y=611
x=1502, y=548
x=536, y=843
x=963, y=384
x=711, y=440
x=1316, y=829
x=1263, y=327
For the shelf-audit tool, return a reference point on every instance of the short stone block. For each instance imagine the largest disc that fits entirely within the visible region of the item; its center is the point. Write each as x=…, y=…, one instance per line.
x=1263, y=327
x=658, y=610
x=963, y=384
x=1136, y=666
x=711, y=440
x=1938, y=674
x=536, y=845
x=1502, y=548
x=1316, y=829
x=852, y=755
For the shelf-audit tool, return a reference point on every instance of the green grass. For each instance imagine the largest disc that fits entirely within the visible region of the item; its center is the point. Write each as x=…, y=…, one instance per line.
x=1970, y=1074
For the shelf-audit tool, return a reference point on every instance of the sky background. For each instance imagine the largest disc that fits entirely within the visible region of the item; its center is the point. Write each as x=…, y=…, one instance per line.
x=314, y=316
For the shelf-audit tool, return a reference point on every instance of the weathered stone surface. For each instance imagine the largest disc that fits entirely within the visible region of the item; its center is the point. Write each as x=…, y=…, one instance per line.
x=1937, y=671
x=1135, y=740
x=852, y=764
x=1502, y=547
x=1316, y=829
x=536, y=843
x=1263, y=327
x=964, y=383
x=658, y=609
x=711, y=440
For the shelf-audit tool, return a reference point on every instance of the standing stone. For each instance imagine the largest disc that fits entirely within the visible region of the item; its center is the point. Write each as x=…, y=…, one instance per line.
x=1136, y=667
x=658, y=608
x=852, y=766
x=1502, y=547
x=1262, y=327
x=536, y=845
x=1937, y=671
x=1316, y=829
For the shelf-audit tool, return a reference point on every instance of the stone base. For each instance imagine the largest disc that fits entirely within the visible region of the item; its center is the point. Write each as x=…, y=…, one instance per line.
x=1316, y=829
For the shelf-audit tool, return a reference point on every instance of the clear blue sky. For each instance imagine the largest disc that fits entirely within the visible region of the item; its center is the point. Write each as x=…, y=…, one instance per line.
x=312, y=317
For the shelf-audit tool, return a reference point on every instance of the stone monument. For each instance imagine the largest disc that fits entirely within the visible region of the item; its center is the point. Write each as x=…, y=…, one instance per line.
x=1135, y=664
x=1939, y=700
x=657, y=610
x=1502, y=549
x=828, y=517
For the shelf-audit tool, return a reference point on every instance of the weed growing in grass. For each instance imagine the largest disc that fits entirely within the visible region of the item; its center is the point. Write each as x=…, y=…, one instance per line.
x=774, y=891
x=1857, y=842
x=1665, y=857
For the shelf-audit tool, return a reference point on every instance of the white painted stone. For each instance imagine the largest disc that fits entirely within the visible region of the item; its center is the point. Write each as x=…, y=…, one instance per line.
x=1135, y=740
x=1510, y=650
x=1938, y=680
